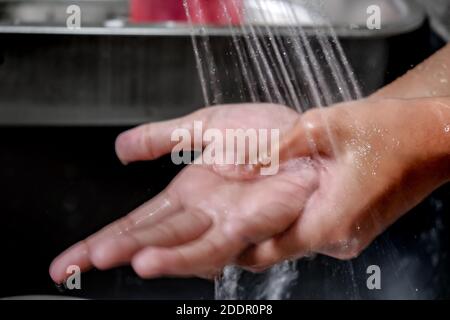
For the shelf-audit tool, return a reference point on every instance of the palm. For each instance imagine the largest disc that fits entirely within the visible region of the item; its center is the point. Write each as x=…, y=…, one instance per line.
x=242, y=213
x=203, y=220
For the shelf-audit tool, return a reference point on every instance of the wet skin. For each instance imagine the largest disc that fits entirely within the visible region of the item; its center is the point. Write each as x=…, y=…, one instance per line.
x=347, y=173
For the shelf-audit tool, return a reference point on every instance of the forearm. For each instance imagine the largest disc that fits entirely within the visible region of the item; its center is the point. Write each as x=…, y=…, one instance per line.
x=440, y=134
x=428, y=134
x=429, y=79
x=428, y=87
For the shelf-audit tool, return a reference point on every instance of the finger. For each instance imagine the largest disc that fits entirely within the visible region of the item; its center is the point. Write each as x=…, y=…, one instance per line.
x=270, y=216
x=176, y=230
x=236, y=172
x=206, y=255
x=267, y=222
x=150, y=213
x=77, y=255
x=299, y=142
x=153, y=140
x=309, y=137
x=287, y=246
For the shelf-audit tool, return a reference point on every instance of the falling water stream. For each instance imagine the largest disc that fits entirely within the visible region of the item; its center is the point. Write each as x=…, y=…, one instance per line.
x=290, y=65
x=273, y=55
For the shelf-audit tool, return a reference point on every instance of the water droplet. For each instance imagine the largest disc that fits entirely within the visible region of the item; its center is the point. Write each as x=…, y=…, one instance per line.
x=60, y=287
x=447, y=128
x=444, y=80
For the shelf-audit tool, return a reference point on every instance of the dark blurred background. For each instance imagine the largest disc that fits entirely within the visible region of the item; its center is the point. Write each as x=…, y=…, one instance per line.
x=60, y=179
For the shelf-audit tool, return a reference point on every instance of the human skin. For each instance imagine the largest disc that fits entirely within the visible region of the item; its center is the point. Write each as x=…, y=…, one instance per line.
x=416, y=107
x=429, y=79
x=388, y=155
x=348, y=172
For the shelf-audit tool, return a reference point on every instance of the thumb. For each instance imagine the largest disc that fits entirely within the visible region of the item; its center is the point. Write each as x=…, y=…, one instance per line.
x=153, y=140
x=307, y=138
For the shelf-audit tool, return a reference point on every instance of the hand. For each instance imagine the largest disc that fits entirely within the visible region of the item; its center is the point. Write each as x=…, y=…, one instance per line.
x=366, y=169
x=203, y=220
x=376, y=159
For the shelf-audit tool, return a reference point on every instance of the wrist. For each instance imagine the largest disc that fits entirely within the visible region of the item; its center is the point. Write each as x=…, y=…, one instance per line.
x=430, y=132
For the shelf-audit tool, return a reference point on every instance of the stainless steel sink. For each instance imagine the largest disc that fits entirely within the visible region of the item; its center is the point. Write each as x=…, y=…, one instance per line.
x=348, y=17
x=125, y=74
x=53, y=12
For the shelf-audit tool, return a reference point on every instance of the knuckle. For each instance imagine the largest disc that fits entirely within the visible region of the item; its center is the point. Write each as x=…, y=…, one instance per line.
x=313, y=122
x=200, y=218
x=327, y=123
x=343, y=244
x=347, y=249
x=168, y=231
x=147, y=140
x=239, y=230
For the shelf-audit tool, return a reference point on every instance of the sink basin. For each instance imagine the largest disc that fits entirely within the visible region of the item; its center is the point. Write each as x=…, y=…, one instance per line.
x=124, y=75
x=53, y=12
x=348, y=17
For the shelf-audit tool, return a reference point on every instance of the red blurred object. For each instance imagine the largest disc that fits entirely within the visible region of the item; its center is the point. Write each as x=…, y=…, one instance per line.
x=143, y=11
x=216, y=12
x=211, y=12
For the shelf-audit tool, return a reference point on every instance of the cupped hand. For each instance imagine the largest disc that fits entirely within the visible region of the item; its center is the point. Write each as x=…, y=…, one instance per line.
x=204, y=219
x=375, y=160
